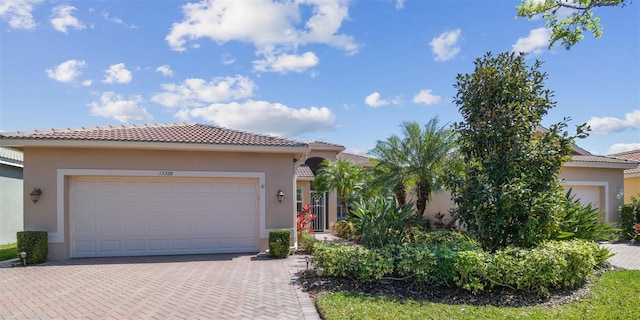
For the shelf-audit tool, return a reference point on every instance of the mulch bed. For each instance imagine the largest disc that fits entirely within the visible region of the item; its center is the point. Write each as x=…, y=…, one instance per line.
x=504, y=297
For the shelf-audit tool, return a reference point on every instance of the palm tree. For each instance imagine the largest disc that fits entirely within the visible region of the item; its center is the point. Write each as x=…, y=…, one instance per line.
x=343, y=176
x=418, y=159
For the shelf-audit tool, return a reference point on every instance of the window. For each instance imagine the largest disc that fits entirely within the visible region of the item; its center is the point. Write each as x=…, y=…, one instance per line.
x=299, y=199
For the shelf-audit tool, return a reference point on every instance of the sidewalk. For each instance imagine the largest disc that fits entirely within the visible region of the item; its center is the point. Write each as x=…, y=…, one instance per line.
x=626, y=256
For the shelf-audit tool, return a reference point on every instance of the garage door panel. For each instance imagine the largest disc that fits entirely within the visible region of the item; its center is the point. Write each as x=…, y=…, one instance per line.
x=134, y=216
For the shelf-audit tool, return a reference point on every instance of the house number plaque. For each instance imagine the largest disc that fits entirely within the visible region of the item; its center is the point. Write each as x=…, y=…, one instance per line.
x=165, y=173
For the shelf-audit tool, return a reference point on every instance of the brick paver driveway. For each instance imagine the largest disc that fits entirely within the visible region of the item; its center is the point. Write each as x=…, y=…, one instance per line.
x=168, y=287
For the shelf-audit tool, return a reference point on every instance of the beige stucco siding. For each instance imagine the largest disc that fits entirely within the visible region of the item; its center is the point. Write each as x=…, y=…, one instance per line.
x=631, y=187
x=610, y=180
x=42, y=164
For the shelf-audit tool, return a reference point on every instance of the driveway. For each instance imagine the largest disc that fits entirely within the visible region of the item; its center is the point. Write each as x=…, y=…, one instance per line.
x=167, y=287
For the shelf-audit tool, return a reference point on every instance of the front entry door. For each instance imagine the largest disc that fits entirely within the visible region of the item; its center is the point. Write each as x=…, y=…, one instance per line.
x=318, y=209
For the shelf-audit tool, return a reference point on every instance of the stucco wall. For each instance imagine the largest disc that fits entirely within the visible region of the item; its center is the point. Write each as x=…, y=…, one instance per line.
x=11, y=200
x=41, y=166
x=631, y=188
x=610, y=179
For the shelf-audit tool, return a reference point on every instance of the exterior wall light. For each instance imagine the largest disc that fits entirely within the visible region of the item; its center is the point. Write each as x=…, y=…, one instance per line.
x=280, y=195
x=35, y=194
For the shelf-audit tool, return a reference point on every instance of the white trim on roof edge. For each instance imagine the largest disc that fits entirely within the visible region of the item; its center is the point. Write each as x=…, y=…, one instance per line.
x=13, y=164
x=609, y=165
x=58, y=236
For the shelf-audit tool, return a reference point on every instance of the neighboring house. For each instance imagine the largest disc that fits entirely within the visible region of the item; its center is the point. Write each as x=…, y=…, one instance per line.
x=593, y=179
x=631, y=176
x=157, y=189
x=11, y=194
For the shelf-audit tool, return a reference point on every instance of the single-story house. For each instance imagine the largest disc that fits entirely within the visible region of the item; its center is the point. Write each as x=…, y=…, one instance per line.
x=10, y=194
x=631, y=176
x=156, y=189
x=593, y=179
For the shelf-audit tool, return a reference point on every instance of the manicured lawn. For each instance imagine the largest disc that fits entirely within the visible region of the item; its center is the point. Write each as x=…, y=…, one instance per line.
x=8, y=251
x=615, y=296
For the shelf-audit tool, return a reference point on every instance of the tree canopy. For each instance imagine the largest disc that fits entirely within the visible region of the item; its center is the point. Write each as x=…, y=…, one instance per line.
x=509, y=194
x=418, y=159
x=343, y=176
x=567, y=19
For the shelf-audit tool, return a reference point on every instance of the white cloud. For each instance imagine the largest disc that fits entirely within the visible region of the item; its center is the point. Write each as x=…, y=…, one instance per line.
x=444, y=46
x=195, y=92
x=610, y=124
x=535, y=42
x=62, y=19
x=373, y=100
x=116, y=106
x=272, y=27
x=228, y=59
x=117, y=73
x=622, y=147
x=116, y=20
x=165, y=70
x=66, y=72
x=286, y=63
x=426, y=97
x=264, y=117
x=399, y=4
x=87, y=83
x=18, y=12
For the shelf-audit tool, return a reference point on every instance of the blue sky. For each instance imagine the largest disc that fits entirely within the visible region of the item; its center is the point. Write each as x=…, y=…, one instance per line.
x=346, y=72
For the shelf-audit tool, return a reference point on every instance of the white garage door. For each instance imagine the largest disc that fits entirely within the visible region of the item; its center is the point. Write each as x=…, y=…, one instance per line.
x=123, y=216
x=586, y=195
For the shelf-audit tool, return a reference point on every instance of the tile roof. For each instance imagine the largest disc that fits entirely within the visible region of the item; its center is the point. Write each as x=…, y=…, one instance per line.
x=357, y=159
x=632, y=155
x=10, y=156
x=303, y=171
x=170, y=133
x=324, y=145
x=602, y=159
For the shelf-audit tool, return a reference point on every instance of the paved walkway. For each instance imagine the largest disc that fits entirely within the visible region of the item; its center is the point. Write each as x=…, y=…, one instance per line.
x=626, y=256
x=167, y=287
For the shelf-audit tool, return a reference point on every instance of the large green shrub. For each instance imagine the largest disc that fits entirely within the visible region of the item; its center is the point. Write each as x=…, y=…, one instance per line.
x=307, y=241
x=279, y=243
x=35, y=244
x=629, y=216
x=352, y=262
x=381, y=221
x=509, y=193
x=551, y=265
x=583, y=221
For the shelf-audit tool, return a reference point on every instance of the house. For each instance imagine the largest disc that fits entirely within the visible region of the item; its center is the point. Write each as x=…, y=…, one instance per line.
x=593, y=179
x=157, y=189
x=10, y=194
x=631, y=176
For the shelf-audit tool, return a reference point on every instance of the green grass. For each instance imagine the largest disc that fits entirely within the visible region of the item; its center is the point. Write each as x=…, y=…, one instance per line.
x=8, y=251
x=615, y=296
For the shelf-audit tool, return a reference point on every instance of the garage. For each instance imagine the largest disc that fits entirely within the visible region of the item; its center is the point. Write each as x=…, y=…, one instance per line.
x=587, y=195
x=135, y=216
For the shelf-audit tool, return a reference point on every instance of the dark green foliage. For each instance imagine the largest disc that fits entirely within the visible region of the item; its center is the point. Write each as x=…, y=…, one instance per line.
x=352, y=262
x=509, y=193
x=345, y=177
x=629, y=216
x=381, y=221
x=346, y=230
x=418, y=160
x=552, y=265
x=583, y=222
x=35, y=244
x=279, y=243
x=307, y=241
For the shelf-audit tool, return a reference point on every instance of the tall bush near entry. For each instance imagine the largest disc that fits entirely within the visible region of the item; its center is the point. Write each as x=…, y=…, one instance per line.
x=509, y=194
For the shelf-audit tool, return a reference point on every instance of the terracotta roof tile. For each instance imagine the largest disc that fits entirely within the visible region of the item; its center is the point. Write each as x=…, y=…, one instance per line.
x=603, y=159
x=631, y=155
x=322, y=144
x=170, y=133
x=357, y=159
x=303, y=171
